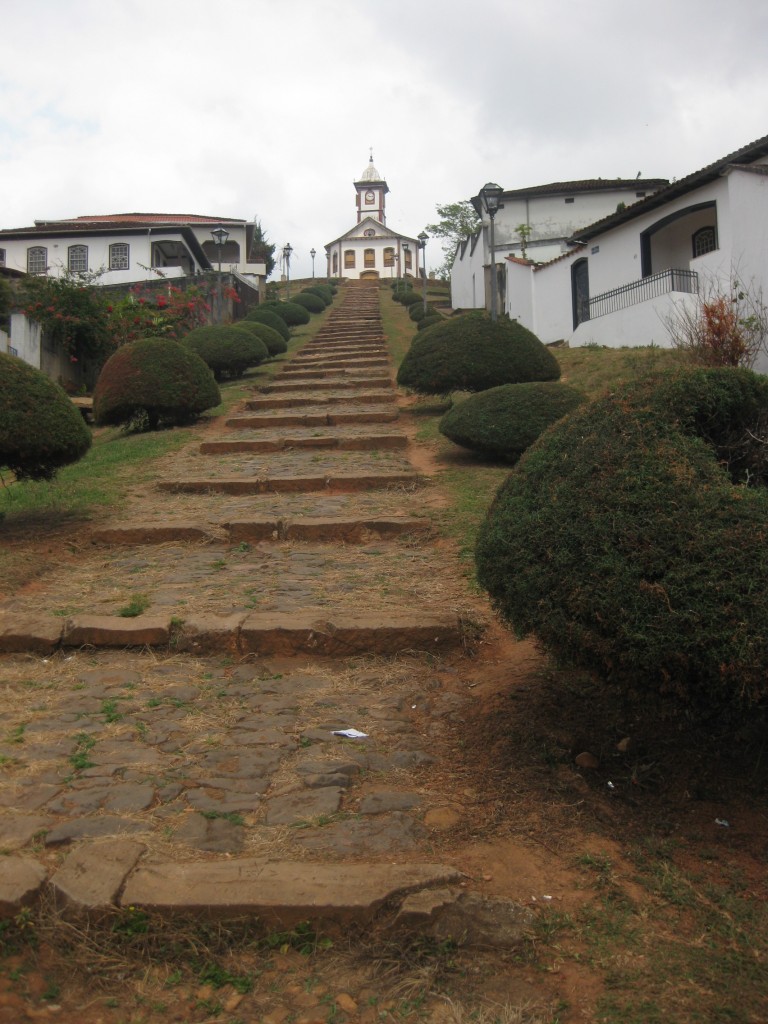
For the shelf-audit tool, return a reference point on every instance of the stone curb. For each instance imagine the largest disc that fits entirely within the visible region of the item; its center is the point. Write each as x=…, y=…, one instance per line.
x=340, y=482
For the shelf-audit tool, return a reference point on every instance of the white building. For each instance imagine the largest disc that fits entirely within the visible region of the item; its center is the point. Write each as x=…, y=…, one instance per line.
x=625, y=274
x=130, y=247
x=370, y=250
x=550, y=216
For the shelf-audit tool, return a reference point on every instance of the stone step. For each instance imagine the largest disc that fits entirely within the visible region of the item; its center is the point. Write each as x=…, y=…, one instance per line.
x=322, y=362
x=349, y=529
x=325, y=384
x=249, y=633
x=311, y=419
x=359, y=443
x=338, y=482
x=289, y=373
x=294, y=401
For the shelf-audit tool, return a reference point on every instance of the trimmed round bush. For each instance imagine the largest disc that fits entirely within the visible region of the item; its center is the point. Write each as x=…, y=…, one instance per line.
x=410, y=298
x=40, y=428
x=227, y=349
x=292, y=313
x=417, y=312
x=505, y=421
x=323, y=290
x=474, y=353
x=429, y=319
x=311, y=302
x=274, y=342
x=161, y=378
x=631, y=538
x=273, y=320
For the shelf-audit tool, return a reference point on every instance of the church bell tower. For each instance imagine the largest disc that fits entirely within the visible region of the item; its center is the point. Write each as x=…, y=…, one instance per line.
x=371, y=191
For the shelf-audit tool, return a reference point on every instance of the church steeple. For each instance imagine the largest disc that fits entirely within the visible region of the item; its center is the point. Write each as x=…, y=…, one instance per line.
x=371, y=189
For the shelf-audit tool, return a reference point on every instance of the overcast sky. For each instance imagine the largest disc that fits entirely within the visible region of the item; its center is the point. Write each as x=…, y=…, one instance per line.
x=270, y=107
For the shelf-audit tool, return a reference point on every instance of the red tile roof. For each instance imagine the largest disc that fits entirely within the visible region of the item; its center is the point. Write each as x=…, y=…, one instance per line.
x=142, y=218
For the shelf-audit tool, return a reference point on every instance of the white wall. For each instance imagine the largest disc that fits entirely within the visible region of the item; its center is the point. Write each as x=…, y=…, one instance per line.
x=642, y=324
x=25, y=338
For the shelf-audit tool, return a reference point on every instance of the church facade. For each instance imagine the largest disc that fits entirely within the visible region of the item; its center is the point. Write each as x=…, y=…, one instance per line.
x=370, y=250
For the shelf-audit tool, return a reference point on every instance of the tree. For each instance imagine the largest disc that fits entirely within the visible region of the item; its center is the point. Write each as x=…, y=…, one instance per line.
x=457, y=222
x=261, y=248
x=524, y=232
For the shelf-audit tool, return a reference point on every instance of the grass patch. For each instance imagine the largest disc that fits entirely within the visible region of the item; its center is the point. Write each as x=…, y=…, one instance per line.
x=137, y=605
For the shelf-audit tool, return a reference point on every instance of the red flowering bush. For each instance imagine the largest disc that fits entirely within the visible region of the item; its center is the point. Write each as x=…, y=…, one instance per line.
x=146, y=313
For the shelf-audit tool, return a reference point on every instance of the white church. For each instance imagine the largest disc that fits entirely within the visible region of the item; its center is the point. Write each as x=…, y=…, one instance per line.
x=370, y=250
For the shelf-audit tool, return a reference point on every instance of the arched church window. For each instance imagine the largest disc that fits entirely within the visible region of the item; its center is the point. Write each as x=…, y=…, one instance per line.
x=704, y=241
x=369, y=258
x=369, y=232
x=389, y=257
x=349, y=257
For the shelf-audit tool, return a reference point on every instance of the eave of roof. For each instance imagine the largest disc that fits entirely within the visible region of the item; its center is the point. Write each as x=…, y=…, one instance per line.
x=143, y=219
x=747, y=154
x=568, y=188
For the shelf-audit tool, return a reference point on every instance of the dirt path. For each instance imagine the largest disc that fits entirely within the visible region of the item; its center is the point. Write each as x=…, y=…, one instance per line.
x=283, y=592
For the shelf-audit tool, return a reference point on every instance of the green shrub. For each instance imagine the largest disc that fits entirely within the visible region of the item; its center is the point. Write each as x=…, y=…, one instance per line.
x=274, y=342
x=40, y=428
x=504, y=421
x=273, y=320
x=417, y=312
x=325, y=293
x=228, y=350
x=410, y=298
x=631, y=538
x=154, y=376
x=292, y=313
x=429, y=319
x=474, y=353
x=311, y=302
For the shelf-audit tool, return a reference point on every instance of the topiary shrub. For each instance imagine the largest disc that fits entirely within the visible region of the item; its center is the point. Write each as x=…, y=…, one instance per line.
x=271, y=319
x=504, y=421
x=158, y=377
x=417, y=312
x=292, y=313
x=325, y=293
x=274, y=342
x=474, y=353
x=429, y=319
x=410, y=298
x=631, y=538
x=311, y=302
x=40, y=428
x=228, y=350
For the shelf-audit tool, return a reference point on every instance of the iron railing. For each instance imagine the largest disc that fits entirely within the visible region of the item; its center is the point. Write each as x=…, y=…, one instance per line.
x=640, y=291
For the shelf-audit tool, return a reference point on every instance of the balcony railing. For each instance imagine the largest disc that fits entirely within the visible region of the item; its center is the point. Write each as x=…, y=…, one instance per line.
x=640, y=291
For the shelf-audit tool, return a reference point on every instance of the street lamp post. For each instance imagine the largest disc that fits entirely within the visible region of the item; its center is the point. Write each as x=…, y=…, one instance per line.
x=287, y=250
x=404, y=268
x=490, y=195
x=220, y=235
x=423, y=246
x=313, y=253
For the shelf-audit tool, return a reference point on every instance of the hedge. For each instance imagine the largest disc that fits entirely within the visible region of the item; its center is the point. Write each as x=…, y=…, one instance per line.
x=227, y=349
x=260, y=315
x=273, y=341
x=40, y=428
x=474, y=353
x=505, y=421
x=632, y=538
x=156, y=376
